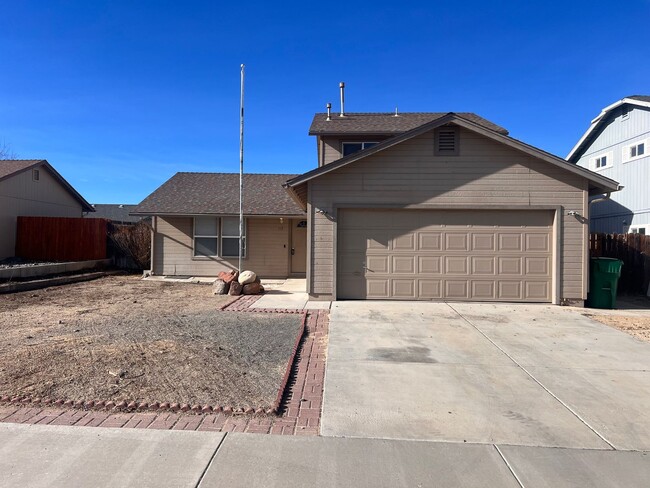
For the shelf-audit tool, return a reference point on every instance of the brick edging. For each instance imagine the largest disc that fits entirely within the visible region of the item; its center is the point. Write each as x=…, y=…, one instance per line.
x=298, y=413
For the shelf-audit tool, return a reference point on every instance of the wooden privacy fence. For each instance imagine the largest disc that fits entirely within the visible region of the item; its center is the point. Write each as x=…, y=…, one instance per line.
x=633, y=250
x=60, y=238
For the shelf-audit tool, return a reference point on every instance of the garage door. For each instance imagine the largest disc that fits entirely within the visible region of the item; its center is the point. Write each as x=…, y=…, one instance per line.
x=454, y=255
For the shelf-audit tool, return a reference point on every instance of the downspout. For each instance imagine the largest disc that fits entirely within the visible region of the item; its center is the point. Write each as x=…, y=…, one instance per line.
x=154, y=229
x=602, y=199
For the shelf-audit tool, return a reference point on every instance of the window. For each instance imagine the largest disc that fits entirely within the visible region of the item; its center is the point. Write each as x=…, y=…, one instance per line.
x=635, y=151
x=637, y=230
x=230, y=237
x=206, y=236
x=446, y=141
x=36, y=175
x=352, y=147
x=601, y=161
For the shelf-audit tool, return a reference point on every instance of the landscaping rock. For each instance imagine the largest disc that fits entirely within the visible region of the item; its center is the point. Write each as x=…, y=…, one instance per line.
x=252, y=289
x=246, y=277
x=220, y=287
x=235, y=288
x=228, y=277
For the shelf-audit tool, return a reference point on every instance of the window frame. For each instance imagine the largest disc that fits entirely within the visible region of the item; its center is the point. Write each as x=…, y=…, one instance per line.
x=634, y=229
x=363, y=146
x=628, y=148
x=195, y=236
x=244, y=238
x=609, y=161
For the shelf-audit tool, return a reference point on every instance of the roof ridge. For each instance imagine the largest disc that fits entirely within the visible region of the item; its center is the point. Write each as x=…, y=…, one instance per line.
x=230, y=173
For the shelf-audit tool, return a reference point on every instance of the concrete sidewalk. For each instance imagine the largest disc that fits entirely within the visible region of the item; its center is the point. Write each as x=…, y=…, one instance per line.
x=46, y=456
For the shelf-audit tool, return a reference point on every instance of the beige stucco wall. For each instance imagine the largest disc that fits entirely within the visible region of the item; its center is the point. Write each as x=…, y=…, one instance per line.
x=485, y=173
x=268, y=249
x=20, y=195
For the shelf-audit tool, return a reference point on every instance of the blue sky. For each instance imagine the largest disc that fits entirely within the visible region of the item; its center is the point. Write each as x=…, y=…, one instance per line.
x=120, y=95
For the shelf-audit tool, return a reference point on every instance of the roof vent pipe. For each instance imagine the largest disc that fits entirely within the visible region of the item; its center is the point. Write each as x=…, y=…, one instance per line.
x=342, y=87
x=329, y=111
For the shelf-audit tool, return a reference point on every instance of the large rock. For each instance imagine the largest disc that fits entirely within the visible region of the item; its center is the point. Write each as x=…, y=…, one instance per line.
x=235, y=288
x=228, y=276
x=220, y=287
x=252, y=289
x=247, y=277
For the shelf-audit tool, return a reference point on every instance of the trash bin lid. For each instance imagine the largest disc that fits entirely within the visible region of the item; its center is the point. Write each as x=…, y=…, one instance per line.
x=607, y=265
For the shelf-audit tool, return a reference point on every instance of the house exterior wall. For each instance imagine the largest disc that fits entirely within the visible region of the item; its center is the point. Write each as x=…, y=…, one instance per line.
x=268, y=249
x=20, y=195
x=485, y=173
x=331, y=145
x=632, y=204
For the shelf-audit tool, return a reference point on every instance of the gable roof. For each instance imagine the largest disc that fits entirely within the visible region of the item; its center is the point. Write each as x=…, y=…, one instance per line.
x=385, y=123
x=116, y=212
x=636, y=100
x=218, y=194
x=598, y=183
x=12, y=167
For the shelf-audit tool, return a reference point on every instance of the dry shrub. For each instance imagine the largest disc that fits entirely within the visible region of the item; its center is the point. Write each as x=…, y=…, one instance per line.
x=132, y=242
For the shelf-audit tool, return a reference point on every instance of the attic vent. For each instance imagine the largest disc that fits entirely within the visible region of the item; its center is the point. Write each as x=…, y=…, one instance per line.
x=36, y=175
x=446, y=140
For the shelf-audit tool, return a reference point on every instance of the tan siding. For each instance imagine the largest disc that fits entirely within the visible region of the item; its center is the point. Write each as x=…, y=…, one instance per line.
x=267, y=241
x=485, y=173
x=332, y=145
x=20, y=195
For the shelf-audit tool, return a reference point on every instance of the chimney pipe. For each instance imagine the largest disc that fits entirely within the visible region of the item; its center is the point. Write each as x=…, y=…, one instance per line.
x=342, y=87
x=329, y=111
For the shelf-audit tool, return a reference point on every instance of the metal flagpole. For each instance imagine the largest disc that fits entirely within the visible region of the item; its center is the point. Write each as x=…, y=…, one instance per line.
x=241, y=169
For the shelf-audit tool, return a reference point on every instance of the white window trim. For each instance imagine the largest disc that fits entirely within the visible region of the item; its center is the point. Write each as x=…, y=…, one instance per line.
x=363, y=145
x=637, y=227
x=222, y=236
x=610, y=161
x=194, y=236
x=626, y=150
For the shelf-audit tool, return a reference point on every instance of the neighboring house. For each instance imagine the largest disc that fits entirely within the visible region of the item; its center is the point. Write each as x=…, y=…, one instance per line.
x=33, y=188
x=196, y=226
x=617, y=145
x=442, y=206
x=116, y=212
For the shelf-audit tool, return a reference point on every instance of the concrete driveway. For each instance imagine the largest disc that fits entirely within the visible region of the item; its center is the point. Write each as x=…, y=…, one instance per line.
x=528, y=375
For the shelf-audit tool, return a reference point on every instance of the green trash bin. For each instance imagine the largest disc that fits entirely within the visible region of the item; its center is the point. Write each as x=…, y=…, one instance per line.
x=603, y=282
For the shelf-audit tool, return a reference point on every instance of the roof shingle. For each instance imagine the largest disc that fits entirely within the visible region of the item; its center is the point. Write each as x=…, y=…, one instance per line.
x=640, y=98
x=386, y=123
x=115, y=212
x=10, y=167
x=218, y=194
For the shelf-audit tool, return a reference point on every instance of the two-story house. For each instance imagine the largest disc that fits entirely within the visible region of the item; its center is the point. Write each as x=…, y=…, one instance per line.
x=617, y=145
x=435, y=206
x=412, y=206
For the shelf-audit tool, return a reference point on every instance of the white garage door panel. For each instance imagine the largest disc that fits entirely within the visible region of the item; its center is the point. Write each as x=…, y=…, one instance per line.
x=455, y=255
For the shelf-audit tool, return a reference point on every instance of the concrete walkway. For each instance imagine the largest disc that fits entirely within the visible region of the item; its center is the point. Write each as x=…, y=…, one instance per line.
x=529, y=375
x=45, y=456
x=288, y=294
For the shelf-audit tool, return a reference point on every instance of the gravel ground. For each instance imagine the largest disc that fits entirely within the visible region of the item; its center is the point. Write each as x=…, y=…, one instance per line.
x=20, y=263
x=121, y=338
x=632, y=316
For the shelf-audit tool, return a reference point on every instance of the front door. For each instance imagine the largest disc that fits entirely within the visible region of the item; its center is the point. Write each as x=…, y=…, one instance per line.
x=298, y=246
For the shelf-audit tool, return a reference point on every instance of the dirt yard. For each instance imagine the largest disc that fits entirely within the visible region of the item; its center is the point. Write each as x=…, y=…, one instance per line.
x=638, y=327
x=121, y=338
